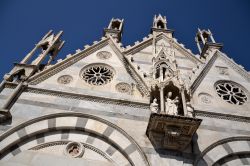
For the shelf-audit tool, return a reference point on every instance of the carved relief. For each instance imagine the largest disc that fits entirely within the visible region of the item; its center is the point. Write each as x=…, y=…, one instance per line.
x=205, y=98
x=104, y=55
x=65, y=79
x=123, y=87
x=97, y=74
x=74, y=149
x=222, y=70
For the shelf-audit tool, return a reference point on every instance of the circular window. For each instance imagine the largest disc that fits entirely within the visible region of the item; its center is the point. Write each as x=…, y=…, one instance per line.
x=98, y=74
x=123, y=87
x=231, y=92
x=65, y=79
x=104, y=55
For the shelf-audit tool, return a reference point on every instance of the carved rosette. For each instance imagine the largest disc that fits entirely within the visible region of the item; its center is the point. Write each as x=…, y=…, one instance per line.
x=205, y=98
x=65, y=79
x=104, y=55
x=74, y=149
x=123, y=87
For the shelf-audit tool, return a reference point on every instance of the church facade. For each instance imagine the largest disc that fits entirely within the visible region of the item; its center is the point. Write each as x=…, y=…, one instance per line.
x=151, y=103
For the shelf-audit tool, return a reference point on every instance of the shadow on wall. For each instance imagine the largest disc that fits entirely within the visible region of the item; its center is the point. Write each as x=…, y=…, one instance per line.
x=197, y=151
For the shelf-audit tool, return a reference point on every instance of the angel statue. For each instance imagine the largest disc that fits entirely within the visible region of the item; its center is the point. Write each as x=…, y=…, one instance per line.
x=154, y=106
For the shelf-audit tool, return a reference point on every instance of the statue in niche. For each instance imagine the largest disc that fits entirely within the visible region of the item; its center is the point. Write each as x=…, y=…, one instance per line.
x=167, y=75
x=171, y=105
x=154, y=106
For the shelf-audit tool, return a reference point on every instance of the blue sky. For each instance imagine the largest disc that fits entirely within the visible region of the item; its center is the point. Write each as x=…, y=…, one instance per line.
x=23, y=23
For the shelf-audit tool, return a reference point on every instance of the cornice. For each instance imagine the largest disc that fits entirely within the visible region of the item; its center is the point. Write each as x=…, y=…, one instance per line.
x=235, y=66
x=70, y=60
x=199, y=113
x=203, y=72
x=142, y=86
x=147, y=41
x=113, y=101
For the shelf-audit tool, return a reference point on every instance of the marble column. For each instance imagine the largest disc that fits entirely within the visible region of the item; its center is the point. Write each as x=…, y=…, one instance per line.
x=7, y=105
x=184, y=105
x=162, y=102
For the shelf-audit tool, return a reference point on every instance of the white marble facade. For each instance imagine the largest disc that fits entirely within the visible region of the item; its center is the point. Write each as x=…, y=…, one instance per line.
x=93, y=107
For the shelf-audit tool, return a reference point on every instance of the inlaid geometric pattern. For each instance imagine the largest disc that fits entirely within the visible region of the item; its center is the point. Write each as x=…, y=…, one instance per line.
x=226, y=152
x=78, y=127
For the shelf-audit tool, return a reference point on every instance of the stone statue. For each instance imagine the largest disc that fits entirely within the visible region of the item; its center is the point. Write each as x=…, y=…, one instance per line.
x=154, y=106
x=171, y=106
x=167, y=75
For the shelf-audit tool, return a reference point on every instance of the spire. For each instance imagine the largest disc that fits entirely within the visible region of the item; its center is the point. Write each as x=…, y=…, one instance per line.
x=49, y=45
x=205, y=40
x=114, y=29
x=160, y=25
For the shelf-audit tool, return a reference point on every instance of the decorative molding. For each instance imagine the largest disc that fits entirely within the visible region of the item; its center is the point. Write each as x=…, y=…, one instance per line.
x=235, y=66
x=145, y=43
x=36, y=79
x=143, y=88
x=199, y=113
x=203, y=72
x=51, y=123
x=65, y=142
x=88, y=98
x=68, y=95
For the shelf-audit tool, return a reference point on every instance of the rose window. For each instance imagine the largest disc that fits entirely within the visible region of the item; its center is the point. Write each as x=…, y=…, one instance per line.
x=231, y=93
x=97, y=74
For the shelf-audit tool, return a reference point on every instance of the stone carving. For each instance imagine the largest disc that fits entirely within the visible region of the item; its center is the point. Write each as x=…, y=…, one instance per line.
x=171, y=105
x=104, y=55
x=123, y=87
x=171, y=132
x=154, y=106
x=97, y=74
x=65, y=79
x=205, y=98
x=222, y=70
x=74, y=149
x=231, y=93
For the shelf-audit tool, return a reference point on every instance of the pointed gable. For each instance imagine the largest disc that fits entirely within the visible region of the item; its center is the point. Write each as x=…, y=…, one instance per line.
x=97, y=69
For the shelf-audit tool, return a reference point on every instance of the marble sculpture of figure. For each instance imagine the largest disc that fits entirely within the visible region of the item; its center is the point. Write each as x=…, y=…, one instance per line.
x=171, y=105
x=154, y=106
